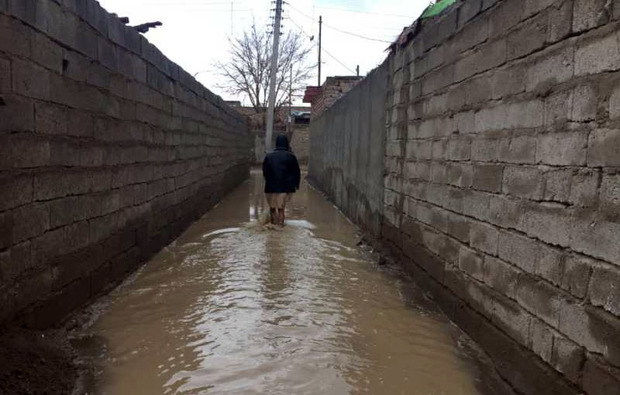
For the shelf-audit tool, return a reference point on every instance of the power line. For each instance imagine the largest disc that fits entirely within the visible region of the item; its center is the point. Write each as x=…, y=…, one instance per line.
x=315, y=45
x=366, y=12
x=342, y=31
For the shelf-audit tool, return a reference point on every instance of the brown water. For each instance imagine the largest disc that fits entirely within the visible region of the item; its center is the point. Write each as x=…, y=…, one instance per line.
x=232, y=308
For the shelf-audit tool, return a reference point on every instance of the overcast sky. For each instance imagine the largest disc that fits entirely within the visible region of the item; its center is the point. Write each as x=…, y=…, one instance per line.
x=196, y=32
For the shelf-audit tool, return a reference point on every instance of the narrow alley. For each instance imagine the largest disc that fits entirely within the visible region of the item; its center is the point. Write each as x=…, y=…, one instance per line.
x=231, y=307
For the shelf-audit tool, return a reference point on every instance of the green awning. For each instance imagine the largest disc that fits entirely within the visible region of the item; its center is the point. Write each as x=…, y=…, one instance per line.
x=437, y=8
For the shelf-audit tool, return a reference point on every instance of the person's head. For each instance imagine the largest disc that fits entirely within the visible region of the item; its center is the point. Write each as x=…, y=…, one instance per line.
x=282, y=142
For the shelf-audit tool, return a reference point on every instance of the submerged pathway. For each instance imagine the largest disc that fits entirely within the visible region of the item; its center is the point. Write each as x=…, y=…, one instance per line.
x=231, y=308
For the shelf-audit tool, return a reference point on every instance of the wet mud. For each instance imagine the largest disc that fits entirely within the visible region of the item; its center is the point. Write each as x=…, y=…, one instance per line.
x=233, y=308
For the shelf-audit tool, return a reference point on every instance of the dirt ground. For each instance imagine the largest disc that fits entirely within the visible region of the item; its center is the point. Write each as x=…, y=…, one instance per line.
x=36, y=363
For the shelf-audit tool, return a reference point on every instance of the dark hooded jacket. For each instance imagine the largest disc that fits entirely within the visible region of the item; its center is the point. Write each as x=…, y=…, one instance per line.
x=281, y=169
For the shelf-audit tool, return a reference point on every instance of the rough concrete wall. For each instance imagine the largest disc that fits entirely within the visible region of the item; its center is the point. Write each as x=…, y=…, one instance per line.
x=503, y=184
x=300, y=143
x=107, y=151
x=346, y=150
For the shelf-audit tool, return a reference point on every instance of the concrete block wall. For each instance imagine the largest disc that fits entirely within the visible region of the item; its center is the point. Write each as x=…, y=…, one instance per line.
x=347, y=151
x=502, y=185
x=108, y=150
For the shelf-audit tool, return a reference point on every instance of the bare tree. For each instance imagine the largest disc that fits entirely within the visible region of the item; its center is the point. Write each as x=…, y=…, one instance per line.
x=247, y=71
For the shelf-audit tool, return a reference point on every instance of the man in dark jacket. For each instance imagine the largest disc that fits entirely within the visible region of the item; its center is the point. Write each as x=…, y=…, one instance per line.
x=282, y=178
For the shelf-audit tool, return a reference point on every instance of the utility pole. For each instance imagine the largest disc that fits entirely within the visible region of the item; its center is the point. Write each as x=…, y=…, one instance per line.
x=290, y=99
x=273, y=77
x=320, y=42
x=357, y=69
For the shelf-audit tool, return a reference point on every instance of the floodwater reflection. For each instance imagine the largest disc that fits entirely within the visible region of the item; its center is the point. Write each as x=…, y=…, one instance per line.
x=231, y=308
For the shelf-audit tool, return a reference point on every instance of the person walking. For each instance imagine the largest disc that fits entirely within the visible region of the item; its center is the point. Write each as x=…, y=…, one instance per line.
x=282, y=178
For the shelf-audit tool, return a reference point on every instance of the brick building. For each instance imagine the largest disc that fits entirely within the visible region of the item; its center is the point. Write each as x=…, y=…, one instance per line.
x=323, y=97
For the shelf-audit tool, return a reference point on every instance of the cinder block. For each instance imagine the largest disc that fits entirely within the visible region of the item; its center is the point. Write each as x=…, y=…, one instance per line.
x=15, y=261
x=484, y=237
x=15, y=191
x=551, y=264
x=597, y=55
x=486, y=57
x=549, y=222
x=589, y=14
x=567, y=358
x=603, y=148
x=540, y=298
x=585, y=188
x=585, y=103
x=468, y=11
x=541, y=339
x=46, y=53
x=506, y=212
x=521, y=115
x=591, y=327
x=459, y=174
x=525, y=182
x=18, y=151
x=464, y=122
x=557, y=185
x=459, y=149
x=508, y=81
x=107, y=54
x=30, y=221
x=512, y=318
x=603, y=289
x=25, y=10
x=501, y=276
x=505, y=16
x=560, y=20
x=599, y=378
x=5, y=76
x=486, y=4
x=471, y=262
x=576, y=275
x=15, y=37
x=30, y=80
x=528, y=37
x=558, y=108
x=484, y=150
x=610, y=192
x=6, y=229
x=55, y=184
x=562, y=149
x=458, y=227
x=550, y=68
x=17, y=114
x=488, y=177
x=595, y=237
x=438, y=79
x=50, y=119
x=519, y=250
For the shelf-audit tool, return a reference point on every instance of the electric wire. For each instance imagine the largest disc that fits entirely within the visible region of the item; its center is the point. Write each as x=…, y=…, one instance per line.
x=340, y=30
x=322, y=47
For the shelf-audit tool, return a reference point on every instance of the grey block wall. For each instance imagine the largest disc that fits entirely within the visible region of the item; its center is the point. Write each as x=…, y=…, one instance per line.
x=108, y=150
x=346, y=150
x=502, y=182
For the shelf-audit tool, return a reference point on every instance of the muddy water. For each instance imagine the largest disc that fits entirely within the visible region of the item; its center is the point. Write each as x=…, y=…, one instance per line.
x=232, y=308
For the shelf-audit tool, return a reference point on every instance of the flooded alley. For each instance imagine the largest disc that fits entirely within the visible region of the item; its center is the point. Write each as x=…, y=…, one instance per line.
x=233, y=308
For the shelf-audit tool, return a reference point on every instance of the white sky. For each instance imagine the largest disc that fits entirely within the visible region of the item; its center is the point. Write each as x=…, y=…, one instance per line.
x=196, y=32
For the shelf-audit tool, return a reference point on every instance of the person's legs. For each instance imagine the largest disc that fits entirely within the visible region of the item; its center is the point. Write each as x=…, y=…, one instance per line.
x=273, y=219
x=281, y=216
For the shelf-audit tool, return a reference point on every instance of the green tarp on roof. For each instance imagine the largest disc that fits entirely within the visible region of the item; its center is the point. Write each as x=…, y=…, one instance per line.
x=437, y=8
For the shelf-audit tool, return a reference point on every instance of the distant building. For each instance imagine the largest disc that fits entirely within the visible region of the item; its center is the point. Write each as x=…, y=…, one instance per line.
x=295, y=126
x=234, y=103
x=323, y=97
